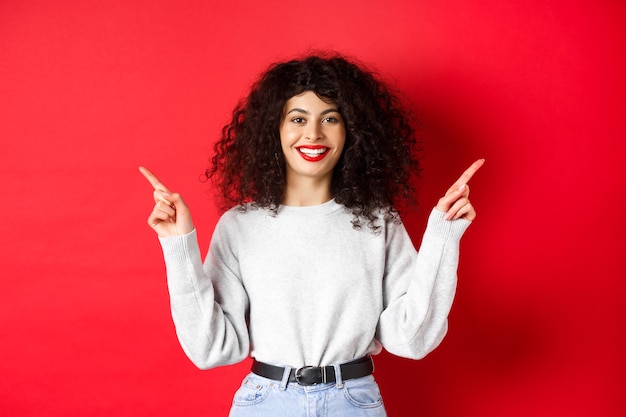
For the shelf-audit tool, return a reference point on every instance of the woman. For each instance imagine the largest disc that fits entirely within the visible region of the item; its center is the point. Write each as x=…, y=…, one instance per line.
x=310, y=271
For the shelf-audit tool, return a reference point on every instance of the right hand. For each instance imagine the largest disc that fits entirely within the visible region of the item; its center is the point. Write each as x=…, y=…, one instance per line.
x=170, y=215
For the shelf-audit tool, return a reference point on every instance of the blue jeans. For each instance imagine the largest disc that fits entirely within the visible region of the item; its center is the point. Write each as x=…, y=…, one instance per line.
x=262, y=397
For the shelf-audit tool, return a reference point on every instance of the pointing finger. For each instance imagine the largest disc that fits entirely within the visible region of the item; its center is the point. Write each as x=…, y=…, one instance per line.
x=469, y=173
x=154, y=181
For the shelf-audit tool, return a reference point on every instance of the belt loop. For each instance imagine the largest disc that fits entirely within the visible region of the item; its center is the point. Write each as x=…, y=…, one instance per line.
x=285, y=380
x=338, y=377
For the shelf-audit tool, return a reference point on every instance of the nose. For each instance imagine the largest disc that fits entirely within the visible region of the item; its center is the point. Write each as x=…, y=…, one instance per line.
x=313, y=132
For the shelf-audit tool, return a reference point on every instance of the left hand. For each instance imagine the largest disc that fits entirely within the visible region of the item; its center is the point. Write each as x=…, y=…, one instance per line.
x=455, y=203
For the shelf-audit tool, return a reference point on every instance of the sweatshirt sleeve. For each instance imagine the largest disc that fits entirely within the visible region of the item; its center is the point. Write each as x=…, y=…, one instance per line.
x=208, y=302
x=419, y=288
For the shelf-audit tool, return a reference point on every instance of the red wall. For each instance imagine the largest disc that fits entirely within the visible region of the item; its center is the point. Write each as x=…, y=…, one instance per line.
x=90, y=91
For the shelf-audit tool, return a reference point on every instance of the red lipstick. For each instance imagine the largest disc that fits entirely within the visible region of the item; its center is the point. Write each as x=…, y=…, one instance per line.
x=314, y=153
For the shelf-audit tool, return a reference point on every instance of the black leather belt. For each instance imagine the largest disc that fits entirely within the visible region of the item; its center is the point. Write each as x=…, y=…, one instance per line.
x=313, y=375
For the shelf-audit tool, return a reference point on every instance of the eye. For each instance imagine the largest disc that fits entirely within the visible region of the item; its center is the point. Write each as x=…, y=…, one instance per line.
x=331, y=119
x=298, y=120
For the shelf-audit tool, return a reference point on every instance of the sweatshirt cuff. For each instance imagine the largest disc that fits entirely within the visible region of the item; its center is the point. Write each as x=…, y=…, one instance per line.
x=180, y=248
x=447, y=229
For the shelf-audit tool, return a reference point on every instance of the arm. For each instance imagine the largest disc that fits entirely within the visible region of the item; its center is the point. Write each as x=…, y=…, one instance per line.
x=419, y=289
x=208, y=302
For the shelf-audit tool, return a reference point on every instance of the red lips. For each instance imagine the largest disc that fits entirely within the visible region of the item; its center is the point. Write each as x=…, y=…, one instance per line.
x=314, y=153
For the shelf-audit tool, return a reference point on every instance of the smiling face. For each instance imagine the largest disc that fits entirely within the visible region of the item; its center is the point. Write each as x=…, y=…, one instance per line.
x=312, y=136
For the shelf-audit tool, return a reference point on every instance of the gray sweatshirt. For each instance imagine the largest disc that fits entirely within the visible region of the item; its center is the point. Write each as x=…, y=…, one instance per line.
x=303, y=287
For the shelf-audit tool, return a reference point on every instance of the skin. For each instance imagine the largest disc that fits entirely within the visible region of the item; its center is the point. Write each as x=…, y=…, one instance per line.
x=455, y=203
x=310, y=123
x=170, y=215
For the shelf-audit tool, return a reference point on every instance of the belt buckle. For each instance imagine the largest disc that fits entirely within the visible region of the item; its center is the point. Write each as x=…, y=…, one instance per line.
x=299, y=376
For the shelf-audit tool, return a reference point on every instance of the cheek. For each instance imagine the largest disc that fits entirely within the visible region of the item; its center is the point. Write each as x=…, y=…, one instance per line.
x=341, y=142
x=286, y=137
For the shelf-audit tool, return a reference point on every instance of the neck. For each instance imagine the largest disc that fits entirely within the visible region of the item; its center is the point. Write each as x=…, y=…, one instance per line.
x=307, y=193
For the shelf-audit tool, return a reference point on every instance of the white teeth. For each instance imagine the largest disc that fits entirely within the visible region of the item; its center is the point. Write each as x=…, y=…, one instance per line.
x=312, y=152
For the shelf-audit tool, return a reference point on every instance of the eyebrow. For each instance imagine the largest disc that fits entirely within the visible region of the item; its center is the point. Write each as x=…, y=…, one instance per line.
x=298, y=110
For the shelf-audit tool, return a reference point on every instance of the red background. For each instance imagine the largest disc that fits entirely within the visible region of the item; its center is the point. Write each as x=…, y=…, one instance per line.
x=91, y=90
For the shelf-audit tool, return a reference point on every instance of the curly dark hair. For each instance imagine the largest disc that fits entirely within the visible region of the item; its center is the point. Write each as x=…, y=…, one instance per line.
x=378, y=163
